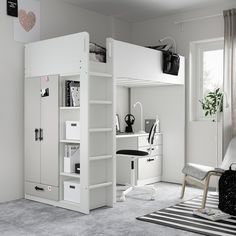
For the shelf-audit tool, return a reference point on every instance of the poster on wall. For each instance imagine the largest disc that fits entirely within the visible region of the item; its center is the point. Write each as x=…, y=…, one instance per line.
x=27, y=25
x=12, y=8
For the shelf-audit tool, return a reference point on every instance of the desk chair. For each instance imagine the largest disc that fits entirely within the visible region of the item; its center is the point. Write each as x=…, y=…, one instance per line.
x=200, y=175
x=133, y=155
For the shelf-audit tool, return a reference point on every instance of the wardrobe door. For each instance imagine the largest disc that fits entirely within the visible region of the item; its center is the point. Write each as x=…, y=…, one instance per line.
x=49, y=130
x=32, y=126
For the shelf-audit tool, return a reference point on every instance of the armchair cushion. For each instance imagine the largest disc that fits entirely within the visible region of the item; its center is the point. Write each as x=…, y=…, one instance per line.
x=197, y=171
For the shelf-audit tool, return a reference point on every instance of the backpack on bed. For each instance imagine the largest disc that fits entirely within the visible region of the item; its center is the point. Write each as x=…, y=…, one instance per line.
x=171, y=63
x=227, y=191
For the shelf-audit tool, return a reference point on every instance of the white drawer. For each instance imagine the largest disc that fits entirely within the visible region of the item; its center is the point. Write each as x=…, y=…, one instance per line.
x=42, y=191
x=143, y=141
x=149, y=168
x=157, y=150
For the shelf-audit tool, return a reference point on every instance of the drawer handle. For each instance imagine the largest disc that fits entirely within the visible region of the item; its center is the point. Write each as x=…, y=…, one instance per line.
x=39, y=189
x=150, y=159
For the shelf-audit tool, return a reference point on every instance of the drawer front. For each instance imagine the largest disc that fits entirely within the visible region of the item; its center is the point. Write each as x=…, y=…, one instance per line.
x=157, y=150
x=143, y=141
x=149, y=167
x=42, y=191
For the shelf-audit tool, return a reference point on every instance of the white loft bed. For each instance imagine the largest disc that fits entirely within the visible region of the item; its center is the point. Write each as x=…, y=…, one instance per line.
x=128, y=65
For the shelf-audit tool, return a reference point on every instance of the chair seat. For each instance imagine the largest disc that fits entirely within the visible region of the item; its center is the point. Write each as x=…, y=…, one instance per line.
x=132, y=152
x=197, y=171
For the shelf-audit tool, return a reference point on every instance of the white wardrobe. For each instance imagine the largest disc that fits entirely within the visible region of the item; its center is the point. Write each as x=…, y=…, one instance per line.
x=41, y=137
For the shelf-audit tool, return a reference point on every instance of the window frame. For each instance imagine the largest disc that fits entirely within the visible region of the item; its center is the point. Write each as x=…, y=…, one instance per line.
x=197, y=49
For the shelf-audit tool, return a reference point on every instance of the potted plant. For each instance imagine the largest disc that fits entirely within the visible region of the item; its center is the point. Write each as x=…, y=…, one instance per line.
x=212, y=103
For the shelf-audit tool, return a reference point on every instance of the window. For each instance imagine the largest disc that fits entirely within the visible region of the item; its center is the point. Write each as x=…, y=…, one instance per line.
x=206, y=72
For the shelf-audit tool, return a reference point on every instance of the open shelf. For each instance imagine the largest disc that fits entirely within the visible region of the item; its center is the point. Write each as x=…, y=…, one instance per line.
x=69, y=141
x=100, y=130
x=100, y=102
x=69, y=108
x=101, y=185
x=73, y=175
x=96, y=158
x=100, y=74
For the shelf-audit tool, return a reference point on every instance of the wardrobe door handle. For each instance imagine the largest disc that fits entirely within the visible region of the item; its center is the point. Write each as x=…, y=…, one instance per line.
x=36, y=132
x=40, y=134
x=150, y=159
x=38, y=188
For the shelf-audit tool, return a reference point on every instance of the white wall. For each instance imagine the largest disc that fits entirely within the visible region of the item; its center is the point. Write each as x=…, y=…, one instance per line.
x=11, y=111
x=122, y=105
x=57, y=18
x=200, y=136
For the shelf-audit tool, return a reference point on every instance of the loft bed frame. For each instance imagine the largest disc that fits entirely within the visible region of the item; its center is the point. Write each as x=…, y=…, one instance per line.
x=126, y=65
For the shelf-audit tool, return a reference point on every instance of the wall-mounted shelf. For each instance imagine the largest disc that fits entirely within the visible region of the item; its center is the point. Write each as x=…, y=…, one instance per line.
x=73, y=175
x=96, y=158
x=69, y=141
x=100, y=102
x=102, y=185
x=100, y=130
x=69, y=108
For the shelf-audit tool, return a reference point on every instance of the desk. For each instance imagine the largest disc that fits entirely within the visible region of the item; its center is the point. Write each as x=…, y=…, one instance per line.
x=147, y=171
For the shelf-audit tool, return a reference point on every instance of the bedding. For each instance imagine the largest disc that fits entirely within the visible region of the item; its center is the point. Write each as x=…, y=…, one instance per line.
x=97, y=53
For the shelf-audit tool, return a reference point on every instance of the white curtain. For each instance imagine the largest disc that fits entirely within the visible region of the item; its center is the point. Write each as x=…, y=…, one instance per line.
x=229, y=127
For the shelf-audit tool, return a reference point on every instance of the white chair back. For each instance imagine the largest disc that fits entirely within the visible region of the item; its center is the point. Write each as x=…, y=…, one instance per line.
x=151, y=137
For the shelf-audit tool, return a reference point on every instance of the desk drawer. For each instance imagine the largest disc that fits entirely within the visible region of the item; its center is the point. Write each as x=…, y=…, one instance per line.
x=143, y=141
x=157, y=150
x=42, y=191
x=149, y=168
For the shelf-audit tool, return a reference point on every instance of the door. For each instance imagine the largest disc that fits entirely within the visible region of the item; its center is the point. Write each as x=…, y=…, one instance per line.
x=32, y=126
x=49, y=130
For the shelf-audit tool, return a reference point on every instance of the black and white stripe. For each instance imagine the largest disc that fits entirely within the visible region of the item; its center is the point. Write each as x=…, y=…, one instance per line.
x=181, y=216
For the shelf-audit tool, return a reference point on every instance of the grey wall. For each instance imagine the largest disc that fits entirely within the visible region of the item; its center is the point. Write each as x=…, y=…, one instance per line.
x=57, y=18
x=200, y=136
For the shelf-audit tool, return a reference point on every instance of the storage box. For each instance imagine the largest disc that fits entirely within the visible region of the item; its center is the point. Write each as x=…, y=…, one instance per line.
x=72, y=191
x=73, y=130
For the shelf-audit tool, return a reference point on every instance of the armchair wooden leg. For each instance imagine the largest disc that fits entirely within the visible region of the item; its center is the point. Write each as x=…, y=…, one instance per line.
x=206, y=185
x=183, y=188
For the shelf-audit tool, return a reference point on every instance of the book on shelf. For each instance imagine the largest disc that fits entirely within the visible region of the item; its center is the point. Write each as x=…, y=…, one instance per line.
x=72, y=93
x=72, y=150
x=211, y=214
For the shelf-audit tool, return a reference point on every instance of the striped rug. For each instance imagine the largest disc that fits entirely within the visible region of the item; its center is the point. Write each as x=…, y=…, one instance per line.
x=180, y=216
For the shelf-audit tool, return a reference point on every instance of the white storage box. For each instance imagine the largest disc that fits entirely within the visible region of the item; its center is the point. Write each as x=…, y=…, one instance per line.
x=72, y=191
x=73, y=130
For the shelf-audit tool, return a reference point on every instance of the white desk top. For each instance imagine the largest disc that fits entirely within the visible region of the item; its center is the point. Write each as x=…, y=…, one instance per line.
x=131, y=135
